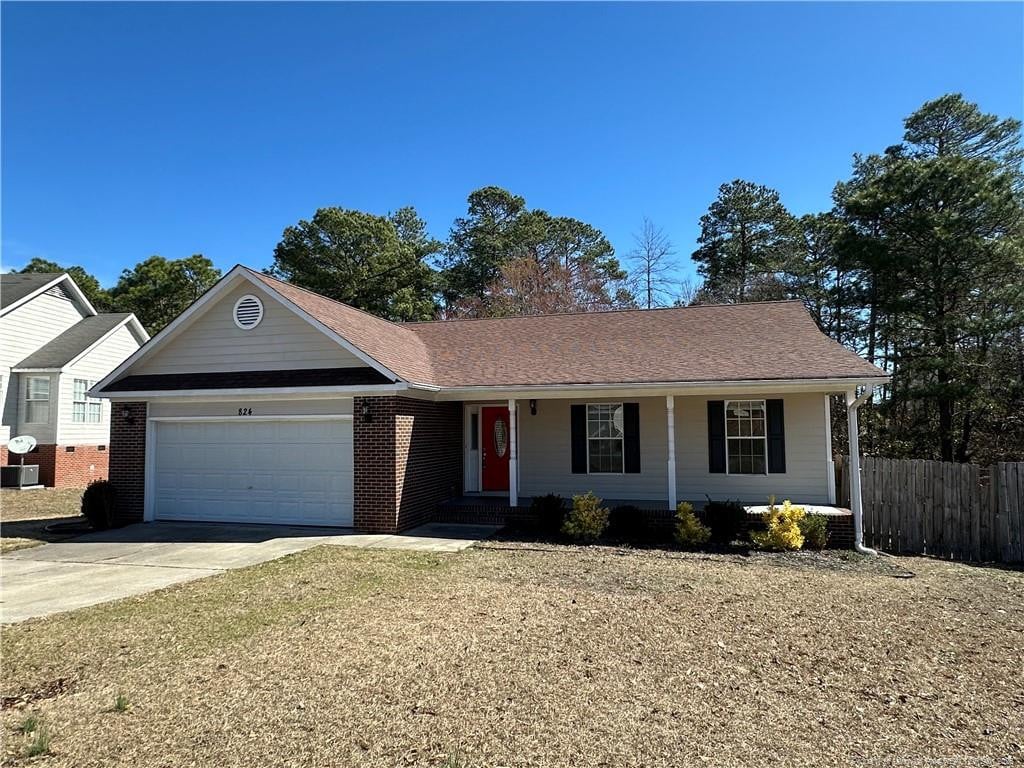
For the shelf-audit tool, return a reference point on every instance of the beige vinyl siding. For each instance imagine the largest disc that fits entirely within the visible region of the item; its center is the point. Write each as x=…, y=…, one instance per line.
x=341, y=406
x=213, y=342
x=545, y=454
x=109, y=354
x=805, y=479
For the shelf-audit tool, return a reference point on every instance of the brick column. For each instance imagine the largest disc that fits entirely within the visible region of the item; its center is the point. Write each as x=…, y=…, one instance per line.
x=407, y=459
x=127, y=468
x=373, y=448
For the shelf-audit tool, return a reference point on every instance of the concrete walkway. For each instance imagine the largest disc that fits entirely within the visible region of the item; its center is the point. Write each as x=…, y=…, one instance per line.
x=99, y=567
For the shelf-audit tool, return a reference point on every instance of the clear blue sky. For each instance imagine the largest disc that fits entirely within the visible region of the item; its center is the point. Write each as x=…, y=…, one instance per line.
x=130, y=130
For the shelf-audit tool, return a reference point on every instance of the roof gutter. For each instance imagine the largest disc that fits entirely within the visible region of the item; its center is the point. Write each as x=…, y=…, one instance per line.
x=818, y=385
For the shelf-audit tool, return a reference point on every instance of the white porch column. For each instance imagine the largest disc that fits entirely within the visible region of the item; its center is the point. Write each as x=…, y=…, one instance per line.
x=670, y=409
x=856, y=506
x=513, y=456
x=830, y=465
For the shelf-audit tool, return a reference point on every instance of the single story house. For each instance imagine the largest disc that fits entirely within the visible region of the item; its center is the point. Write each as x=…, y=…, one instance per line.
x=55, y=347
x=264, y=402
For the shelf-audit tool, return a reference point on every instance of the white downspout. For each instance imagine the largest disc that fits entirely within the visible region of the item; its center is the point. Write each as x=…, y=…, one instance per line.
x=670, y=407
x=852, y=404
x=513, y=456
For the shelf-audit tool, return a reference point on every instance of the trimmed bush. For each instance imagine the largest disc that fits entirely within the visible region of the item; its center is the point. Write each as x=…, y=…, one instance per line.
x=98, y=504
x=587, y=519
x=783, y=527
x=548, y=513
x=690, y=532
x=815, y=531
x=727, y=520
x=629, y=523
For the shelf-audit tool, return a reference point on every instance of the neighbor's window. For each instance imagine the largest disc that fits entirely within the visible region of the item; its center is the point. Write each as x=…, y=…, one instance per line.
x=745, y=437
x=37, y=400
x=85, y=409
x=604, y=437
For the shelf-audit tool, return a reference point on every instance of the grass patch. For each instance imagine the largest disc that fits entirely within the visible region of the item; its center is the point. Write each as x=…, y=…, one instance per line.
x=39, y=744
x=537, y=655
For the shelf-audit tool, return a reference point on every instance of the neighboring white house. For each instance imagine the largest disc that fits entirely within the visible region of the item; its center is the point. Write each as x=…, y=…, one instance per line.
x=54, y=346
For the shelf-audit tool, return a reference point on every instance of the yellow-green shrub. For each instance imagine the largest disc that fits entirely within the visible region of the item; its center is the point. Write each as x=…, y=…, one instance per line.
x=690, y=532
x=587, y=519
x=783, y=527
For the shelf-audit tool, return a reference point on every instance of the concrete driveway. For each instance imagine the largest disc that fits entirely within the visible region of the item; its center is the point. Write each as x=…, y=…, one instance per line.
x=109, y=565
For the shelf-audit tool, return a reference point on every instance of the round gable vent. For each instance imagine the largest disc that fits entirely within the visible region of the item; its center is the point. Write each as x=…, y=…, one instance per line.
x=248, y=312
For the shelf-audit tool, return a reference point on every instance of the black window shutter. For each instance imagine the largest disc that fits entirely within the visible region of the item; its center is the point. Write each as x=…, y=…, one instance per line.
x=631, y=442
x=776, y=436
x=579, y=439
x=716, y=436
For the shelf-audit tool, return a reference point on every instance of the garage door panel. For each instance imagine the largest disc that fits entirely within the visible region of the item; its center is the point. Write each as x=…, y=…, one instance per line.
x=292, y=472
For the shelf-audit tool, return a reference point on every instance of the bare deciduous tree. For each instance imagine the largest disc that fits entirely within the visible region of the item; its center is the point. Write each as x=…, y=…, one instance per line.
x=651, y=260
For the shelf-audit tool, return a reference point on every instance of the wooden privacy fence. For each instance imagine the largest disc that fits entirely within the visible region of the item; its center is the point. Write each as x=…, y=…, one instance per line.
x=938, y=508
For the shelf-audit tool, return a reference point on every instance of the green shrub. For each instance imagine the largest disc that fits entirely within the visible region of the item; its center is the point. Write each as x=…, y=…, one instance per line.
x=783, y=527
x=815, y=531
x=121, y=703
x=40, y=743
x=98, y=504
x=727, y=520
x=628, y=523
x=690, y=532
x=548, y=513
x=587, y=519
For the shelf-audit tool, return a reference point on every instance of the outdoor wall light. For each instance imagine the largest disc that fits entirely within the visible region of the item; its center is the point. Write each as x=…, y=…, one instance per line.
x=127, y=415
x=533, y=407
x=367, y=415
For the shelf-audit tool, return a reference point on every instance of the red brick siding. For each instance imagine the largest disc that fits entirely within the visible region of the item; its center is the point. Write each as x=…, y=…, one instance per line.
x=408, y=458
x=78, y=468
x=428, y=458
x=127, y=451
x=373, y=448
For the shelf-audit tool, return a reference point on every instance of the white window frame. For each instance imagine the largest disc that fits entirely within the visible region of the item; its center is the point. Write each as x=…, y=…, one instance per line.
x=30, y=399
x=91, y=406
x=763, y=438
x=621, y=438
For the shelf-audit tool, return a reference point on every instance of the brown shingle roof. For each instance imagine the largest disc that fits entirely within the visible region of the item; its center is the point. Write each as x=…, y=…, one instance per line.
x=736, y=342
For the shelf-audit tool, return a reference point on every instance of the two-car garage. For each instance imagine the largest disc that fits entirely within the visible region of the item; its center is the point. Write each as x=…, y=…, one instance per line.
x=251, y=468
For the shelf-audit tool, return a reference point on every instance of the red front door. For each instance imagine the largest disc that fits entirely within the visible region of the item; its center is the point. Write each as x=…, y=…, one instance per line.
x=495, y=440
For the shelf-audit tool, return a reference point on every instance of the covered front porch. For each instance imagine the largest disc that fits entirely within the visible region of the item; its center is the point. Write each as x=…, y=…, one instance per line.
x=648, y=451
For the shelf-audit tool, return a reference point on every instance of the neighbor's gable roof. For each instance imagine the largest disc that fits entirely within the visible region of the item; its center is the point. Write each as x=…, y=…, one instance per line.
x=17, y=288
x=78, y=339
x=737, y=342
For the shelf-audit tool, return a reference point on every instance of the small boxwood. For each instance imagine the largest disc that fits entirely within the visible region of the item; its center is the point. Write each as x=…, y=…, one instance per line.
x=98, y=504
x=547, y=513
x=726, y=519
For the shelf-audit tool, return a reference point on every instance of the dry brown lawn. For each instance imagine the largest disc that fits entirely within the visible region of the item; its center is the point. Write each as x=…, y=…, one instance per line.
x=512, y=655
x=25, y=514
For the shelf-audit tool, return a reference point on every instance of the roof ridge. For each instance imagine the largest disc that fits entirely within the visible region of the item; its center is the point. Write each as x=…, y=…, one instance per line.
x=321, y=296
x=613, y=311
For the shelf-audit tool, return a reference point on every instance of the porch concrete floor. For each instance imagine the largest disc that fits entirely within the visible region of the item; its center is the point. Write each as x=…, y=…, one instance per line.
x=108, y=565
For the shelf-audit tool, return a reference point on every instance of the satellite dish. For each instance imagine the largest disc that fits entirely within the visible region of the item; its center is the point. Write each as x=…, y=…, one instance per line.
x=21, y=444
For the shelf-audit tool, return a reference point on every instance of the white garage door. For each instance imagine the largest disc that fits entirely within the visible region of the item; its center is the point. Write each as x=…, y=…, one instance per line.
x=288, y=472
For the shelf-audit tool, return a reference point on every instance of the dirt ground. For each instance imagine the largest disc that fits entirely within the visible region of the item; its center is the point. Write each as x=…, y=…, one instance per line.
x=533, y=655
x=25, y=514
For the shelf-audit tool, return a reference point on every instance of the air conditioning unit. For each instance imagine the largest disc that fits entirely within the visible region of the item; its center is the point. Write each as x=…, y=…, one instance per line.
x=19, y=475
